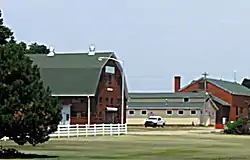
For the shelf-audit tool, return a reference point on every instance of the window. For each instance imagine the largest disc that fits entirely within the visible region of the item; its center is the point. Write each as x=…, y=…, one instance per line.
x=105, y=78
x=193, y=112
x=107, y=100
x=109, y=79
x=118, y=80
x=73, y=114
x=84, y=114
x=100, y=100
x=201, y=85
x=186, y=99
x=111, y=101
x=159, y=119
x=169, y=112
x=110, y=69
x=131, y=112
x=100, y=114
x=118, y=101
x=143, y=112
x=180, y=112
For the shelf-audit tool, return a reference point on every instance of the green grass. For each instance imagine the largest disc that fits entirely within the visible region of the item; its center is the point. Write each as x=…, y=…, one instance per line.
x=185, y=147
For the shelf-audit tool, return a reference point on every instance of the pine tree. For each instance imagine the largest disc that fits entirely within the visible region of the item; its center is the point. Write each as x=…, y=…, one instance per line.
x=28, y=112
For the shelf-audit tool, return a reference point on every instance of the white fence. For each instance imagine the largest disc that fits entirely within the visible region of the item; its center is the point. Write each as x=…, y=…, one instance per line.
x=91, y=130
x=88, y=130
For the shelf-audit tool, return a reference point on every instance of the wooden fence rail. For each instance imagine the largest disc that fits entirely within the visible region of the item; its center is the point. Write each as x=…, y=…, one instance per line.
x=88, y=130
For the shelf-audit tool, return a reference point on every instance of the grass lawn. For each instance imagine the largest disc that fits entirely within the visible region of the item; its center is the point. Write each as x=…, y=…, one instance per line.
x=190, y=147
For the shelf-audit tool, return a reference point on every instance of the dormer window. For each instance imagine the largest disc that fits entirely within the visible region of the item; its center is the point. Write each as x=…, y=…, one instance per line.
x=186, y=99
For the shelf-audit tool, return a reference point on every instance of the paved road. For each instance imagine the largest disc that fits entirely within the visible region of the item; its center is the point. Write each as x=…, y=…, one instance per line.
x=179, y=132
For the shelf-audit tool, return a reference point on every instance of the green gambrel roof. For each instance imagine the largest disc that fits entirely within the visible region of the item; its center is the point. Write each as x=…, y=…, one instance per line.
x=77, y=73
x=232, y=87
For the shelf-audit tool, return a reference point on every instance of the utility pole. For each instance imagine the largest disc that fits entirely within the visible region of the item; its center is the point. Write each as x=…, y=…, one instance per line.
x=205, y=74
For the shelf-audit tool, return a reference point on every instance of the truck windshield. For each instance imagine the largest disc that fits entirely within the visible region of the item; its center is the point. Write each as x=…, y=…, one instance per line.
x=152, y=118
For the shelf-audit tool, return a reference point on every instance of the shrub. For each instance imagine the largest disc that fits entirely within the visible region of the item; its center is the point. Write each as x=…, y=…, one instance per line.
x=241, y=126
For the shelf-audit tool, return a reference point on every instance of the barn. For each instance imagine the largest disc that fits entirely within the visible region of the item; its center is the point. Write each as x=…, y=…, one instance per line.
x=180, y=108
x=233, y=93
x=89, y=89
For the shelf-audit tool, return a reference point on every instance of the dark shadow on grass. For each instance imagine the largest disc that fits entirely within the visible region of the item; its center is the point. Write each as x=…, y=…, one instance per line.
x=12, y=153
x=26, y=156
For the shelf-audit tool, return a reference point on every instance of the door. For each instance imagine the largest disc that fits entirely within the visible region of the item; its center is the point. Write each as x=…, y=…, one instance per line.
x=65, y=115
x=110, y=117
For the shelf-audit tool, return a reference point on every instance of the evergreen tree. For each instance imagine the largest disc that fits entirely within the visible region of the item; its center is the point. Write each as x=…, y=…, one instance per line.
x=28, y=112
x=6, y=34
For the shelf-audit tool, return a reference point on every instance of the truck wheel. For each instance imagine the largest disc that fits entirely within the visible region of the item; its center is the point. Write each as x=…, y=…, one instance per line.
x=155, y=125
x=163, y=125
x=146, y=126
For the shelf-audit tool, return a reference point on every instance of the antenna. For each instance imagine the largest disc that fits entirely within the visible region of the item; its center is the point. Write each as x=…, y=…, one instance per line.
x=235, y=79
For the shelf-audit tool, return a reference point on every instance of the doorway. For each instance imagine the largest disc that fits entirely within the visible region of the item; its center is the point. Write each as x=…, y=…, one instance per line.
x=110, y=117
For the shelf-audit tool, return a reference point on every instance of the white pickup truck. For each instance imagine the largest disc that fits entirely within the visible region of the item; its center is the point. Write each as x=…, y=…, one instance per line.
x=155, y=121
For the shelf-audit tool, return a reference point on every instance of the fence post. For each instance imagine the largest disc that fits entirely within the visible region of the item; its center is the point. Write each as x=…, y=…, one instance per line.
x=126, y=128
x=77, y=130
x=68, y=130
x=110, y=129
x=94, y=129
x=118, y=125
x=103, y=129
x=86, y=130
x=58, y=131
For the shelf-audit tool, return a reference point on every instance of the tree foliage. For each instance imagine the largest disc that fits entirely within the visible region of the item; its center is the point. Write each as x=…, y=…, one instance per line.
x=6, y=35
x=28, y=112
x=246, y=83
x=241, y=126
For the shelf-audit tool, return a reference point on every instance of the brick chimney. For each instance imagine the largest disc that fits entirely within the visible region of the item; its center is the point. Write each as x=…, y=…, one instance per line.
x=177, y=83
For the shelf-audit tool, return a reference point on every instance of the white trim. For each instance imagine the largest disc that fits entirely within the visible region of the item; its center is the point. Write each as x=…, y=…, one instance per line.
x=191, y=112
x=169, y=114
x=84, y=52
x=180, y=114
x=72, y=95
x=111, y=109
x=131, y=114
x=144, y=114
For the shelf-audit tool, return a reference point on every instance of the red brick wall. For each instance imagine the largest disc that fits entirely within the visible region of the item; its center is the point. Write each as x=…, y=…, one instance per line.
x=115, y=94
x=234, y=100
x=216, y=91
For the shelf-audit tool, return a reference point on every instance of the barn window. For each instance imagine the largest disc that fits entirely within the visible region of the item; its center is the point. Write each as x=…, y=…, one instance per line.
x=111, y=101
x=180, y=112
x=107, y=100
x=118, y=80
x=193, y=112
x=100, y=100
x=109, y=79
x=73, y=114
x=100, y=114
x=169, y=112
x=118, y=101
x=84, y=114
x=186, y=99
x=131, y=112
x=143, y=112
